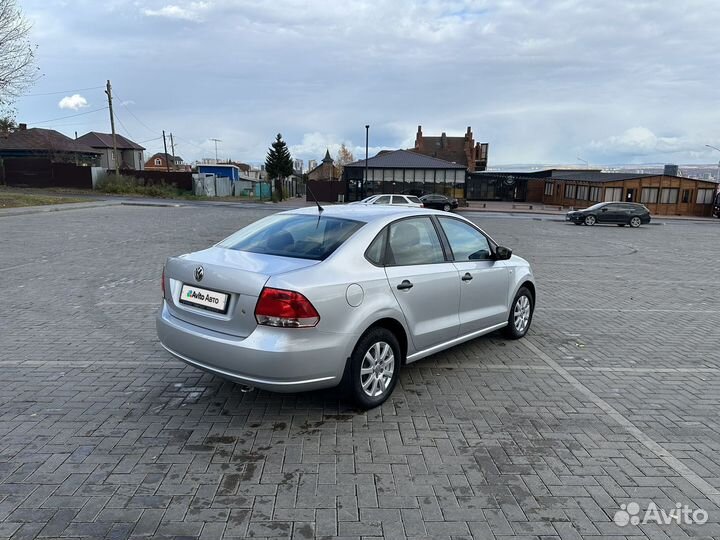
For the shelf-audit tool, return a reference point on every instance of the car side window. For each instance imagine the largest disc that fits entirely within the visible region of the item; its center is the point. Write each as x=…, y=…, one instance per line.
x=413, y=241
x=385, y=199
x=399, y=199
x=466, y=242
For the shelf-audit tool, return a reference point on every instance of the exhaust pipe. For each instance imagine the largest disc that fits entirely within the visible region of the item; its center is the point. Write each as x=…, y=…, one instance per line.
x=244, y=388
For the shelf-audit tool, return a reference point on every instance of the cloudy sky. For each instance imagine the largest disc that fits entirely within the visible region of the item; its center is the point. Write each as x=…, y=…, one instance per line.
x=541, y=81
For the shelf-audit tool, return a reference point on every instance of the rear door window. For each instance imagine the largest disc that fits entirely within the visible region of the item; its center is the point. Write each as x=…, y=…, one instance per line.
x=414, y=241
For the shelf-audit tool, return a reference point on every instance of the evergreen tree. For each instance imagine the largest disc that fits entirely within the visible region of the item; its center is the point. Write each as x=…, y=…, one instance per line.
x=278, y=164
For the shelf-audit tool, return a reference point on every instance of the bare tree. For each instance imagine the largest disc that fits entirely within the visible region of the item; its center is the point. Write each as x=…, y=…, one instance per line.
x=17, y=54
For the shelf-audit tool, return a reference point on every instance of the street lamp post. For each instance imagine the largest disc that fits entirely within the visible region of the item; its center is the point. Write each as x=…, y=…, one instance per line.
x=367, y=138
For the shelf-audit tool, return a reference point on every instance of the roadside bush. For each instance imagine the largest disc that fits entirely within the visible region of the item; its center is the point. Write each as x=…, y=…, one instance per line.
x=129, y=185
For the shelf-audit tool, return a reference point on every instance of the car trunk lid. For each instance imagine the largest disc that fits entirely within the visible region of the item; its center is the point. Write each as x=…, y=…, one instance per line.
x=240, y=275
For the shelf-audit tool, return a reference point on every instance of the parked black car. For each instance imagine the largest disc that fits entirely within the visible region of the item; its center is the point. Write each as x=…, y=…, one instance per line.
x=716, y=206
x=618, y=213
x=439, y=202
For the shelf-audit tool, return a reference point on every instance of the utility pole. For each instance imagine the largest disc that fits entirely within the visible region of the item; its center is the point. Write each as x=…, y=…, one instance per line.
x=216, y=154
x=172, y=148
x=108, y=91
x=167, y=158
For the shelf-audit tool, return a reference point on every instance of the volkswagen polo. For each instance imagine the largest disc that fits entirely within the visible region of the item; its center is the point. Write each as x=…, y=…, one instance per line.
x=312, y=298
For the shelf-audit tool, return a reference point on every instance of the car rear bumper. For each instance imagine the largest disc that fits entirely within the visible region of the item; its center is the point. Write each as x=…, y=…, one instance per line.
x=274, y=359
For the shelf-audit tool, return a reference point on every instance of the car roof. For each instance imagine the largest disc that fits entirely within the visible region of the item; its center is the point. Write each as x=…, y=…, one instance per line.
x=368, y=213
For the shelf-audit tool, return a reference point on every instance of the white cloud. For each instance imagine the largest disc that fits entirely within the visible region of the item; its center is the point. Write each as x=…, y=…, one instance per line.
x=74, y=102
x=641, y=142
x=192, y=12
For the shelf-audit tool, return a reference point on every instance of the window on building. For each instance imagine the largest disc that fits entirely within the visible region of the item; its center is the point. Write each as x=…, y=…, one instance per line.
x=613, y=194
x=704, y=196
x=570, y=191
x=669, y=195
x=549, y=187
x=158, y=161
x=649, y=195
x=595, y=193
x=686, y=196
x=582, y=193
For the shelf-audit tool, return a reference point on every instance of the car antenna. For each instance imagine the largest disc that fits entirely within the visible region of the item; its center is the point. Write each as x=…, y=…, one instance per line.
x=320, y=208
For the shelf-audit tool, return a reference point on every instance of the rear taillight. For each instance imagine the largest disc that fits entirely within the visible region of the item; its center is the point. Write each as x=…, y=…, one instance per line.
x=163, y=282
x=287, y=309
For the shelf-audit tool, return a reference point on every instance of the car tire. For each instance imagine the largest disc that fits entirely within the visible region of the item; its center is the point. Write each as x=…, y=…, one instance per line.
x=635, y=222
x=520, y=316
x=377, y=350
x=446, y=207
x=590, y=221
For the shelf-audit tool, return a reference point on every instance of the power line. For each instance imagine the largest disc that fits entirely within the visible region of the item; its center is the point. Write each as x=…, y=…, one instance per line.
x=127, y=131
x=122, y=102
x=63, y=91
x=69, y=116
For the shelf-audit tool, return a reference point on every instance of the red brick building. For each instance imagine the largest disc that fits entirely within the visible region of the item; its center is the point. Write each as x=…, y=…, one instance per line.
x=461, y=150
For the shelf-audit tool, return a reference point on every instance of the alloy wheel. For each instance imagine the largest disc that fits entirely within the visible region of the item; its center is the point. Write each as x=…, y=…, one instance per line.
x=590, y=220
x=635, y=222
x=446, y=207
x=377, y=368
x=521, y=313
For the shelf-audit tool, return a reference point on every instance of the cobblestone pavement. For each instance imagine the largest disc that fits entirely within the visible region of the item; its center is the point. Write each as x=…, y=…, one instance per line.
x=611, y=399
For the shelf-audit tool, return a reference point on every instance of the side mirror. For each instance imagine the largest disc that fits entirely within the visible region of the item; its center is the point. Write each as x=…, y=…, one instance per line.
x=502, y=253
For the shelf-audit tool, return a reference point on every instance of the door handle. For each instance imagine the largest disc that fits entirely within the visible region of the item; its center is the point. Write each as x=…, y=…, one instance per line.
x=467, y=276
x=405, y=285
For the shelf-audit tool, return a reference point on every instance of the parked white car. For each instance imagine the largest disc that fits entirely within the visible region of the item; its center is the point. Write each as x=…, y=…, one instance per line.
x=409, y=201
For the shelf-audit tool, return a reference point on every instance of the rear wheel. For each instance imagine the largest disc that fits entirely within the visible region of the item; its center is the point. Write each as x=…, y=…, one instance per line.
x=590, y=220
x=374, y=367
x=521, y=312
x=446, y=207
x=635, y=222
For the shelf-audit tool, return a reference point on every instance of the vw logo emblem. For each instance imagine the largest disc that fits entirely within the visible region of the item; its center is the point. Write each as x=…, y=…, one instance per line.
x=199, y=273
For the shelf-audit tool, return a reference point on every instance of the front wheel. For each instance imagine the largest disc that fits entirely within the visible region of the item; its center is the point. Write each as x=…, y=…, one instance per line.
x=374, y=367
x=590, y=221
x=635, y=222
x=521, y=312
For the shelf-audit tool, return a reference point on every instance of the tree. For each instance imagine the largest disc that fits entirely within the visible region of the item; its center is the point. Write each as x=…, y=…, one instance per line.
x=17, y=54
x=278, y=163
x=7, y=124
x=344, y=156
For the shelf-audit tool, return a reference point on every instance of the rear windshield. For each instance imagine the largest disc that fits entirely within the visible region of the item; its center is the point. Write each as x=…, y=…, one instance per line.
x=312, y=237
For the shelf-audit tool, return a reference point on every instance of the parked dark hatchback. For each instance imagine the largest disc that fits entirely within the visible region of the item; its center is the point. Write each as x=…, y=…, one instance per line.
x=439, y=202
x=614, y=213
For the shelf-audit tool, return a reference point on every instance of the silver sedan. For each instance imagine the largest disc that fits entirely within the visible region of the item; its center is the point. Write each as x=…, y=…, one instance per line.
x=312, y=298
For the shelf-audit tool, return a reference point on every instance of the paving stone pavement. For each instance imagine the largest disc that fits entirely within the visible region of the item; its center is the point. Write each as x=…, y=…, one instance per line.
x=612, y=398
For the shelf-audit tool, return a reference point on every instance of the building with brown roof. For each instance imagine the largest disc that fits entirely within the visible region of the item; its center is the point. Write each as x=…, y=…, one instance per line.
x=326, y=170
x=461, y=150
x=165, y=162
x=663, y=194
x=403, y=171
x=46, y=143
x=130, y=154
